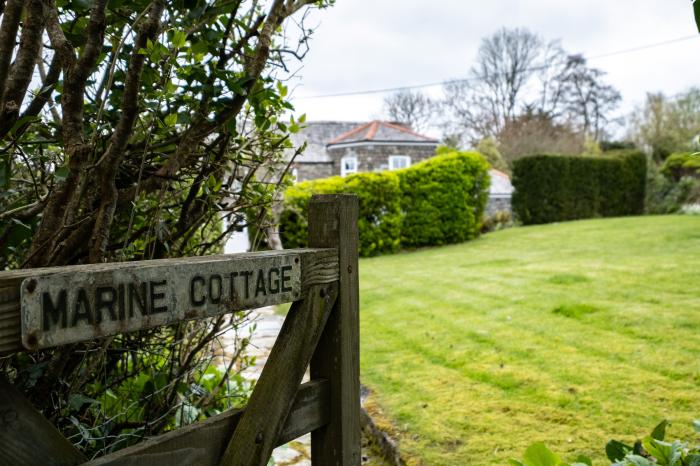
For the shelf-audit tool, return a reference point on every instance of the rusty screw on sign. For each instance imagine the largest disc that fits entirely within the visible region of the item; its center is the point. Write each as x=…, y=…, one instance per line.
x=31, y=285
x=32, y=340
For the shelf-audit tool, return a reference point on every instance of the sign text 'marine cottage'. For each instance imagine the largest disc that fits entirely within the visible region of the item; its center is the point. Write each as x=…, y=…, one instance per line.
x=65, y=307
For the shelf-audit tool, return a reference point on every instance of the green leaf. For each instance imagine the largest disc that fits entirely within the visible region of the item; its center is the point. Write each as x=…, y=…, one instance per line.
x=583, y=460
x=538, y=454
x=22, y=121
x=170, y=86
x=77, y=400
x=171, y=119
x=659, y=431
x=693, y=460
x=61, y=173
x=637, y=460
x=179, y=39
x=282, y=89
x=616, y=451
x=200, y=48
x=696, y=425
x=696, y=10
x=668, y=454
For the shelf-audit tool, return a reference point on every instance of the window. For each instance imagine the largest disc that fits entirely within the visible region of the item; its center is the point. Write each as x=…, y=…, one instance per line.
x=399, y=161
x=348, y=166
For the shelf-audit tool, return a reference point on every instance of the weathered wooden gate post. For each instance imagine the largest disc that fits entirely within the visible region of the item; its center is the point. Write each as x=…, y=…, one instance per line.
x=333, y=224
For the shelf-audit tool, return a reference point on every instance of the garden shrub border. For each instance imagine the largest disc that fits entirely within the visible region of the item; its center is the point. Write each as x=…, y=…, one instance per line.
x=438, y=201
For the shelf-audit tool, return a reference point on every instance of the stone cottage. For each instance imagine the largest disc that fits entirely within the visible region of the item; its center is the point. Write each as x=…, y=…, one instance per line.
x=344, y=148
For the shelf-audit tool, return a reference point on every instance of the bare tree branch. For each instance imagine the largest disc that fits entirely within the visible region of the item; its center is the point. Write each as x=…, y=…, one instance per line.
x=27, y=56
x=108, y=163
x=8, y=36
x=61, y=45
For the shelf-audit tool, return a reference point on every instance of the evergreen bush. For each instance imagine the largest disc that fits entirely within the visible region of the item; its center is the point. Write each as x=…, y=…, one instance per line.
x=379, y=221
x=443, y=199
x=554, y=188
x=438, y=201
x=681, y=164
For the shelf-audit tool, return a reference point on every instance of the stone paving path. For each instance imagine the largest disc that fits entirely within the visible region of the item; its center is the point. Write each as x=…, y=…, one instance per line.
x=267, y=327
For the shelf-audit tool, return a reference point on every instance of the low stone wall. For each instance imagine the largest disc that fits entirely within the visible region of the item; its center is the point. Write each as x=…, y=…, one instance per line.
x=498, y=204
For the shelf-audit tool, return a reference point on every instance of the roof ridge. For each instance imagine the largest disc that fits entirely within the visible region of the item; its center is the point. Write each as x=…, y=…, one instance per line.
x=406, y=130
x=371, y=129
x=349, y=133
x=374, y=126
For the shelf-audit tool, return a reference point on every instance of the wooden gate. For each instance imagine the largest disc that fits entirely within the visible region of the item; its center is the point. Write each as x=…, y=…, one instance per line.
x=41, y=308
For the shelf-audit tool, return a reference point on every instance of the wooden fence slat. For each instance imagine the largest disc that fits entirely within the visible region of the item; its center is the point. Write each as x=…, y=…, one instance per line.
x=317, y=266
x=333, y=224
x=270, y=403
x=26, y=437
x=203, y=443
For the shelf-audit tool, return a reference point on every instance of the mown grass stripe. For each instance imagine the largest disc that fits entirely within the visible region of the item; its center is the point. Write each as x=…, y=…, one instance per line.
x=472, y=332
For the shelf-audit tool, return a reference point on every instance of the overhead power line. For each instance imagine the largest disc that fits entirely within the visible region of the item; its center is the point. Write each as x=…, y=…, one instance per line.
x=466, y=80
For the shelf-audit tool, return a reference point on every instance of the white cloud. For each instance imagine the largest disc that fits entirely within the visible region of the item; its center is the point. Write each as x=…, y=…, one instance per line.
x=371, y=44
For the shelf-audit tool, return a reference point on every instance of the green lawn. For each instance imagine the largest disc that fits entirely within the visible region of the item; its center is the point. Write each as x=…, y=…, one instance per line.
x=569, y=333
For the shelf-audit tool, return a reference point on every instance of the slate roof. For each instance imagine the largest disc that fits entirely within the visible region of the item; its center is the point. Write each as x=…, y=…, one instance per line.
x=381, y=131
x=317, y=134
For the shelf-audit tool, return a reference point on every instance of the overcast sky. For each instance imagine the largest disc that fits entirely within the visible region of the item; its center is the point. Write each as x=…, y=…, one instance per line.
x=374, y=44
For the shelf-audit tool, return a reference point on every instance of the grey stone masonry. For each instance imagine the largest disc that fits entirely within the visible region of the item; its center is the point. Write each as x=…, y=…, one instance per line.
x=498, y=204
x=311, y=171
x=375, y=157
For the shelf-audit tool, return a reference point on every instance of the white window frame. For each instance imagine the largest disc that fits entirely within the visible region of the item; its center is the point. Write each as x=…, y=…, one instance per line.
x=395, y=158
x=344, y=171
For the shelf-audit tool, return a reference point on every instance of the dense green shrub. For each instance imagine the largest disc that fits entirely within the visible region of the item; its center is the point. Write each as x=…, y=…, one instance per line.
x=553, y=188
x=438, y=201
x=652, y=450
x=379, y=221
x=665, y=194
x=443, y=199
x=681, y=164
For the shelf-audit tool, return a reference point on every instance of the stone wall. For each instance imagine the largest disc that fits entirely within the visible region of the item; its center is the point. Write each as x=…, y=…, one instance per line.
x=375, y=157
x=498, y=204
x=312, y=171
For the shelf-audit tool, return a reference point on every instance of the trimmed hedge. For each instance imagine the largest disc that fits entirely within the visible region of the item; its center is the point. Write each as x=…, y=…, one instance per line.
x=443, y=199
x=379, y=220
x=554, y=188
x=435, y=202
